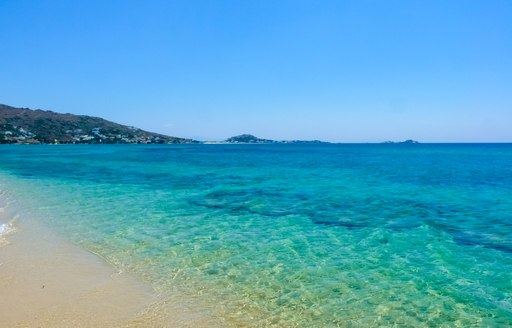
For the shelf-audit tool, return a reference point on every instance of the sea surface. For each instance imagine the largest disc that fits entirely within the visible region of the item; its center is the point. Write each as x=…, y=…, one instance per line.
x=349, y=235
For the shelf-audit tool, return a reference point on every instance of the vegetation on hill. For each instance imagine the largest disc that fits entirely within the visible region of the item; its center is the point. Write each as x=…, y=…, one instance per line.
x=23, y=125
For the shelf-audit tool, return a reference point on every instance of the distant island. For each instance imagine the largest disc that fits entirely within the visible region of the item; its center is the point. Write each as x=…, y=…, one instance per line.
x=26, y=126
x=250, y=139
x=408, y=141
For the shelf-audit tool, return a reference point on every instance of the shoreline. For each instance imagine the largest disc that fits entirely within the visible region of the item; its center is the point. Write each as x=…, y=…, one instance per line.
x=47, y=281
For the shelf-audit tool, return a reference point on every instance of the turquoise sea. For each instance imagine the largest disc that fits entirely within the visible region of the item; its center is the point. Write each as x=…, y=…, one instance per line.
x=349, y=235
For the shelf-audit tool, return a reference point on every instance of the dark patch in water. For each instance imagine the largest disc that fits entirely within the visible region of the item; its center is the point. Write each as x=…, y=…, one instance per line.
x=463, y=239
x=395, y=214
x=346, y=224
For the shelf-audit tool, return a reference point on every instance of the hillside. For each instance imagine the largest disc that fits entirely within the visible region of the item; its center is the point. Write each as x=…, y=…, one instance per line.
x=23, y=125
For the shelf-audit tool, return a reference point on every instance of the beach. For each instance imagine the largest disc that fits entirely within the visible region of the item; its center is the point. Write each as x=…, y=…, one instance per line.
x=256, y=235
x=47, y=281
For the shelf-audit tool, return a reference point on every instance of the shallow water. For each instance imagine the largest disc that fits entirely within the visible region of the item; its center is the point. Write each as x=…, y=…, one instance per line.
x=291, y=235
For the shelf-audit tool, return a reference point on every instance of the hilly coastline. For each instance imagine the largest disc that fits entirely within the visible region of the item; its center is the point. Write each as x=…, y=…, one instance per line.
x=27, y=126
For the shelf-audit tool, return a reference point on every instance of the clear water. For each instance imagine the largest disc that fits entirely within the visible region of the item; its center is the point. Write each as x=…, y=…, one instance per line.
x=291, y=235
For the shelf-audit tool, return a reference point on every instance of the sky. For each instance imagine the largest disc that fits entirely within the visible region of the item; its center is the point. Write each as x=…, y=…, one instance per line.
x=341, y=71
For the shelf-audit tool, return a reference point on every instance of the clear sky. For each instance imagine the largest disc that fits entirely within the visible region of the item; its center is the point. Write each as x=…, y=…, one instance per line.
x=348, y=71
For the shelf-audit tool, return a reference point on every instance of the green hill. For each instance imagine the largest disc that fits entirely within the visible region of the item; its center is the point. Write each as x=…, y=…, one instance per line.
x=23, y=125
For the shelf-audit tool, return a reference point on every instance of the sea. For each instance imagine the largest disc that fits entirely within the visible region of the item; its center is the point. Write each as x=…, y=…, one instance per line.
x=288, y=235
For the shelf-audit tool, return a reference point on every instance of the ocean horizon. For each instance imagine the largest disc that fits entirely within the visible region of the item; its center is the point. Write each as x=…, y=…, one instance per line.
x=288, y=235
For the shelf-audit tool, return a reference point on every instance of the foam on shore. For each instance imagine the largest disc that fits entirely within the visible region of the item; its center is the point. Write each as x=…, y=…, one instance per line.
x=5, y=229
x=8, y=227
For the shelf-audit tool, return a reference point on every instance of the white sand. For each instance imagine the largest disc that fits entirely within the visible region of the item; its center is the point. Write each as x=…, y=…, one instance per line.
x=45, y=281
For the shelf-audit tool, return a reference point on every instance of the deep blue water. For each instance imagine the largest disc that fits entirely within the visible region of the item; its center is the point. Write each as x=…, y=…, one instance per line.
x=291, y=235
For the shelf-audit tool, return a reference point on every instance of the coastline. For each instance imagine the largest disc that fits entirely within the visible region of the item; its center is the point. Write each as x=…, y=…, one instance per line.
x=47, y=281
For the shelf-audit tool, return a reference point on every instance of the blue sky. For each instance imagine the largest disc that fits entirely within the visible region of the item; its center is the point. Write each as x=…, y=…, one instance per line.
x=347, y=71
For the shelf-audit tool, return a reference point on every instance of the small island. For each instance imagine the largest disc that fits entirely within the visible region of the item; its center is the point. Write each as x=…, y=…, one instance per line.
x=250, y=139
x=408, y=141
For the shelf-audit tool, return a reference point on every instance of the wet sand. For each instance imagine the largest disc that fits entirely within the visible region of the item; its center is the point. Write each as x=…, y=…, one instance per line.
x=45, y=281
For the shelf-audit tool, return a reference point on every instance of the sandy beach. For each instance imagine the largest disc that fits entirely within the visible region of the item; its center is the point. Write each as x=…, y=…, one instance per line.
x=46, y=281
